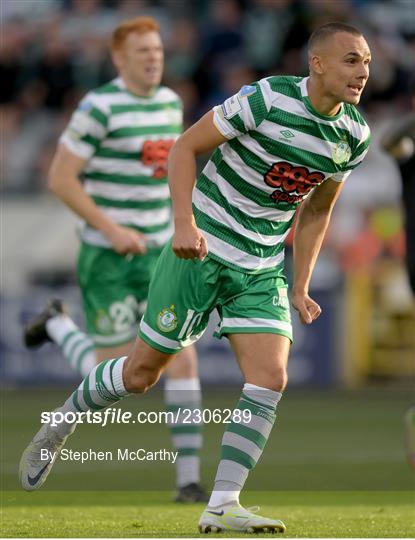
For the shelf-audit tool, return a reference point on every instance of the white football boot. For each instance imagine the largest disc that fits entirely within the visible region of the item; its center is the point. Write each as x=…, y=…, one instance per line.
x=35, y=466
x=233, y=517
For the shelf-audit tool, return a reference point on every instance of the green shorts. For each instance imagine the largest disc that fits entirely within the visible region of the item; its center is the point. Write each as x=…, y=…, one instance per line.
x=184, y=292
x=114, y=292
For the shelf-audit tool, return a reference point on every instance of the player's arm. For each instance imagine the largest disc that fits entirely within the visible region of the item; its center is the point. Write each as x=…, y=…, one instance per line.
x=202, y=137
x=313, y=219
x=63, y=181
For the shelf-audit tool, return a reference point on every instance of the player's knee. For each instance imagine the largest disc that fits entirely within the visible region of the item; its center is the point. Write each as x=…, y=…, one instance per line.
x=140, y=380
x=138, y=377
x=279, y=379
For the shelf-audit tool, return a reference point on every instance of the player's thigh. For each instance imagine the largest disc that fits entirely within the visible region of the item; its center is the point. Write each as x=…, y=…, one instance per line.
x=181, y=296
x=105, y=353
x=184, y=365
x=257, y=322
x=110, y=305
x=262, y=358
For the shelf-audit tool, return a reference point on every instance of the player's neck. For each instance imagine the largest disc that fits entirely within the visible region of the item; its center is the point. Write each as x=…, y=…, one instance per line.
x=322, y=103
x=138, y=89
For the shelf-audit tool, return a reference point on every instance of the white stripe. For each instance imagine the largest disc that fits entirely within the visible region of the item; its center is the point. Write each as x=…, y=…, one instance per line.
x=126, y=192
x=93, y=394
x=257, y=423
x=187, y=441
x=118, y=166
x=231, y=254
x=165, y=116
x=247, y=446
x=163, y=95
x=244, y=204
x=114, y=338
x=156, y=239
x=251, y=322
x=134, y=144
x=79, y=148
x=158, y=338
x=213, y=210
x=139, y=218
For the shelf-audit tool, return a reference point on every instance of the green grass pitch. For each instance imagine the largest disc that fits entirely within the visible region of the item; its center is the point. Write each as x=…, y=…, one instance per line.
x=334, y=467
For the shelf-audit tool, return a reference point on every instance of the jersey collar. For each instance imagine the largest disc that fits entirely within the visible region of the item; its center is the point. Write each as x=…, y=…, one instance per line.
x=307, y=103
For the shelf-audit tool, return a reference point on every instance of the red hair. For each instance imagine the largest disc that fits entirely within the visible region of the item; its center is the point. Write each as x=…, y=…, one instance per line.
x=141, y=25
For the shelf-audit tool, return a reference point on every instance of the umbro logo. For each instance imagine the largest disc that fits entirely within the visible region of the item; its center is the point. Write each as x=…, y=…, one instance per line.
x=287, y=134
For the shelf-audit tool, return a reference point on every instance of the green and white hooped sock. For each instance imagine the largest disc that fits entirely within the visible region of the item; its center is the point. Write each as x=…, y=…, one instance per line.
x=243, y=442
x=77, y=348
x=103, y=387
x=186, y=437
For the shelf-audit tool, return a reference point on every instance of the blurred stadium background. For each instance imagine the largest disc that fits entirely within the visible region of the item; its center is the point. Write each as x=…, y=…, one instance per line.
x=54, y=51
x=351, y=373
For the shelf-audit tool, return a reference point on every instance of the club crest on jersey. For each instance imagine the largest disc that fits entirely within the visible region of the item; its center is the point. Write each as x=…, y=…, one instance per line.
x=341, y=152
x=167, y=319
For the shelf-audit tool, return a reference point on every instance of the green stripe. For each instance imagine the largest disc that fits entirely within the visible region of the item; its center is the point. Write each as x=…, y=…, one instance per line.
x=113, y=362
x=311, y=127
x=244, y=188
x=228, y=235
x=87, y=396
x=248, y=433
x=88, y=139
x=237, y=122
x=278, y=149
x=258, y=411
x=103, y=152
x=67, y=338
x=255, y=402
x=361, y=148
x=234, y=454
x=132, y=205
x=263, y=226
x=286, y=85
x=82, y=356
x=174, y=129
x=257, y=105
x=99, y=116
x=129, y=179
x=150, y=107
x=99, y=381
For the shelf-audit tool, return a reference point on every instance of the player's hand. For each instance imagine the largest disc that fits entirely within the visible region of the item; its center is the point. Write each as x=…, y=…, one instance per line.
x=125, y=240
x=308, y=309
x=189, y=242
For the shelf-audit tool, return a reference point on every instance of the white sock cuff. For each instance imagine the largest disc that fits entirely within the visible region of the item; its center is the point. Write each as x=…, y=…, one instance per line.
x=182, y=384
x=262, y=395
x=58, y=327
x=117, y=379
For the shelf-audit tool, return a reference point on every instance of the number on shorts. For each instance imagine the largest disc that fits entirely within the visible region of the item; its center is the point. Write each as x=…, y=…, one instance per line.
x=192, y=319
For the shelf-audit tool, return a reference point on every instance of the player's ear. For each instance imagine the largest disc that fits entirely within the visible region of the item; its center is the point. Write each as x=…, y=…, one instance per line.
x=117, y=58
x=315, y=63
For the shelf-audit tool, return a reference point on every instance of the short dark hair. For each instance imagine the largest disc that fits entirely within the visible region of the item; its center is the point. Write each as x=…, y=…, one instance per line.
x=327, y=30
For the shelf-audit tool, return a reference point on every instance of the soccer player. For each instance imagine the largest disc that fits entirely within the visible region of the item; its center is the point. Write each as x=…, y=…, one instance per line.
x=279, y=142
x=117, y=143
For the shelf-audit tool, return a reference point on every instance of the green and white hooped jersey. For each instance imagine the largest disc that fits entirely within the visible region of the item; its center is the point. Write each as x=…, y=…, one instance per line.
x=279, y=149
x=126, y=140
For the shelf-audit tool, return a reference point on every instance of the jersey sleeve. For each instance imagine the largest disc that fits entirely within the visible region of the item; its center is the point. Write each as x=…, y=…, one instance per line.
x=87, y=127
x=243, y=111
x=357, y=155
